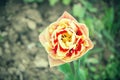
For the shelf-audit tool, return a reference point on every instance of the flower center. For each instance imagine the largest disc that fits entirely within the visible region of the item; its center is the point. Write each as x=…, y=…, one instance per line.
x=66, y=37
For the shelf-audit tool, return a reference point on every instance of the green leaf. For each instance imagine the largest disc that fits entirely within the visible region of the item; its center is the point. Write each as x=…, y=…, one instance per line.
x=88, y=6
x=111, y=48
x=92, y=9
x=89, y=22
x=78, y=11
x=1, y=38
x=108, y=18
x=108, y=36
x=96, y=77
x=28, y=1
x=85, y=3
x=92, y=68
x=66, y=2
x=92, y=60
x=39, y=0
x=53, y=2
x=112, y=70
x=100, y=24
x=96, y=50
x=84, y=59
x=82, y=74
x=65, y=68
x=69, y=77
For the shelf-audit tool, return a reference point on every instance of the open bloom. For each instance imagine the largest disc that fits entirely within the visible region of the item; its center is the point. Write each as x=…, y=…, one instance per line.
x=65, y=40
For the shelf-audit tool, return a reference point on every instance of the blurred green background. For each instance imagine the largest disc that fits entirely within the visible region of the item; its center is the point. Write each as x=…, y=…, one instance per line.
x=22, y=57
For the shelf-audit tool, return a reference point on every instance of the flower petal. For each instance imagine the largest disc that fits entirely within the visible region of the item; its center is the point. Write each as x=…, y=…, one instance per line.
x=84, y=29
x=91, y=45
x=68, y=16
x=65, y=40
x=43, y=39
x=54, y=62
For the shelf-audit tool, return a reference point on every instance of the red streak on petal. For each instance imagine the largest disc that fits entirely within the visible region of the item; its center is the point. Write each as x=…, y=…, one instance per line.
x=61, y=32
x=69, y=54
x=78, y=47
x=55, y=49
x=78, y=30
x=76, y=39
x=55, y=41
x=62, y=49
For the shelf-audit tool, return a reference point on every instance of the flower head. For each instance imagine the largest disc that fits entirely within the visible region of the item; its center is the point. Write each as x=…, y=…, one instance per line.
x=65, y=40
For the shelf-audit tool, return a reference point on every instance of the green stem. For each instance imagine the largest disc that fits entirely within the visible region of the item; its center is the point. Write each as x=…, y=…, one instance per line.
x=75, y=65
x=72, y=67
x=76, y=68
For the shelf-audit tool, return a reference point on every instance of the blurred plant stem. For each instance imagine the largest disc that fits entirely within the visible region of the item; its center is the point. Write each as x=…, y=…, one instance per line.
x=75, y=65
x=72, y=67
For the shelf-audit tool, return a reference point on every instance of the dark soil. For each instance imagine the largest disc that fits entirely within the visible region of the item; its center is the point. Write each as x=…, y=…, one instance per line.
x=22, y=57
